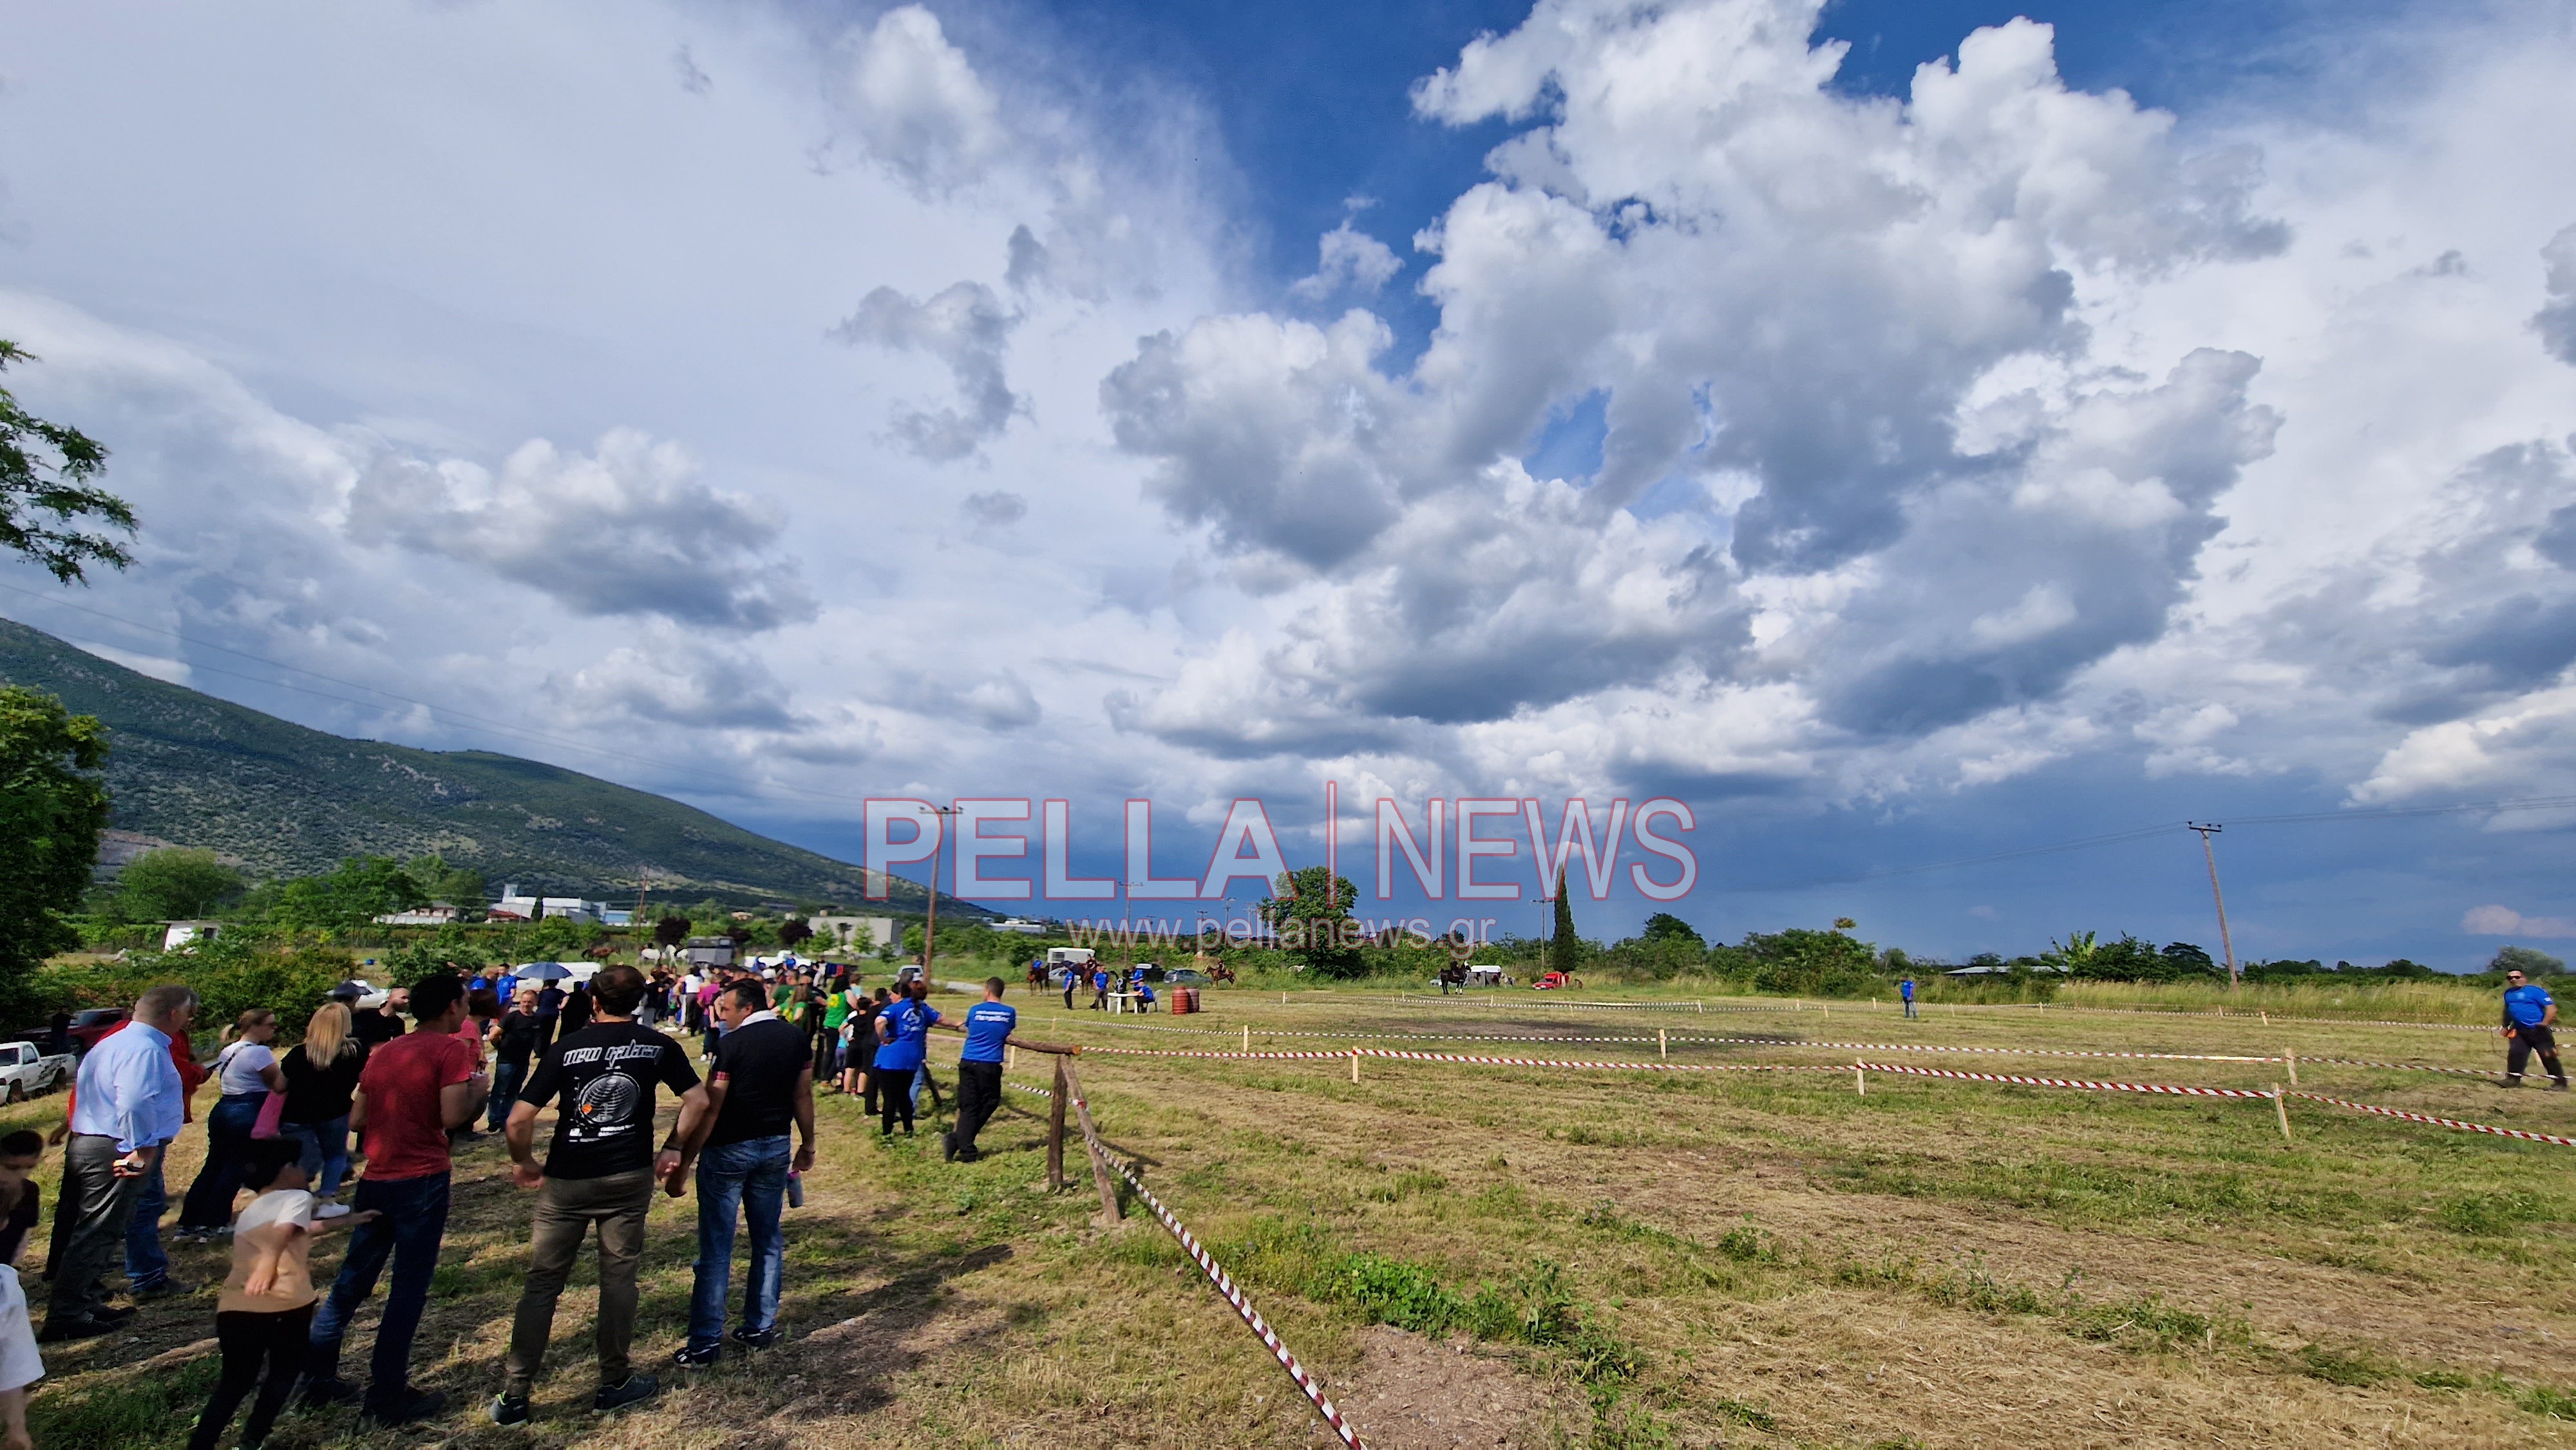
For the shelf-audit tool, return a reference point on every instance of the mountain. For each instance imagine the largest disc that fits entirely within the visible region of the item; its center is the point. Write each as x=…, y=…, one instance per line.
x=282, y=800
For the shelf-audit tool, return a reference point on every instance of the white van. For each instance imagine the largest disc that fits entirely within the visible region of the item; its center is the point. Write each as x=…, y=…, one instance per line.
x=1069, y=956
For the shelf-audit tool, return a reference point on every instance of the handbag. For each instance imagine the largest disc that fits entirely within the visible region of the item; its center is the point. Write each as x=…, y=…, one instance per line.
x=270, y=1113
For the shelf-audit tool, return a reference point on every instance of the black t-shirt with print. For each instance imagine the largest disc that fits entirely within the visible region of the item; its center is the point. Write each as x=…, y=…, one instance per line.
x=604, y=1075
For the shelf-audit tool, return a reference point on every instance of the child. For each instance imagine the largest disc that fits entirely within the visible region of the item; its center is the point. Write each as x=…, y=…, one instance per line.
x=266, y=1310
x=19, y=1365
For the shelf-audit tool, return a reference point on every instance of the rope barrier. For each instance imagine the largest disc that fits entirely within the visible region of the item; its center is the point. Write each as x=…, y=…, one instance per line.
x=1679, y=1040
x=2440, y=1122
x=2168, y=1089
x=1224, y=1282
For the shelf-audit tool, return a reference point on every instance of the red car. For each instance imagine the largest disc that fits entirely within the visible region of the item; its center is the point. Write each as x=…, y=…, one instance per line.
x=94, y=1023
x=1555, y=982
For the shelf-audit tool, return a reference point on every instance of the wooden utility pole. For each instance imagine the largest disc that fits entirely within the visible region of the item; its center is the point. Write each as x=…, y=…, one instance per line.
x=2225, y=944
x=930, y=922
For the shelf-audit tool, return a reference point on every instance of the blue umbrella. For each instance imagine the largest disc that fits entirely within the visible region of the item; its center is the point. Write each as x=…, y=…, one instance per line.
x=544, y=972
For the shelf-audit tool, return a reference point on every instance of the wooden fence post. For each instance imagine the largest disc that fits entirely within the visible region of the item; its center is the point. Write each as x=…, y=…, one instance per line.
x=1663, y=1048
x=1109, y=1210
x=2281, y=1109
x=1355, y=1067
x=1860, y=1081
x=2290, y=1059
x=1247, y=1037
x=1055, y=1131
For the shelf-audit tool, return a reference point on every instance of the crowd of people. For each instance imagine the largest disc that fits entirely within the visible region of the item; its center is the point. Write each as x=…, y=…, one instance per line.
x=418, y=1076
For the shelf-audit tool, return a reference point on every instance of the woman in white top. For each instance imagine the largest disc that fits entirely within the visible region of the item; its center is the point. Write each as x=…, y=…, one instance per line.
x=248, y=1072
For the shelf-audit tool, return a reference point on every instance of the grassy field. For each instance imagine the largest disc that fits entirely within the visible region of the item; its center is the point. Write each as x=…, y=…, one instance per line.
x=1478, y=1255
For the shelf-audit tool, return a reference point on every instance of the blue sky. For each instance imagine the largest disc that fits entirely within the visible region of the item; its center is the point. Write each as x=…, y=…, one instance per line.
x=780, y=405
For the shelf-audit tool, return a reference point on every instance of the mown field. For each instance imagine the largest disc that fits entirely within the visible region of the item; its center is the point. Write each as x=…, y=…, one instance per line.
x=1489, y=1255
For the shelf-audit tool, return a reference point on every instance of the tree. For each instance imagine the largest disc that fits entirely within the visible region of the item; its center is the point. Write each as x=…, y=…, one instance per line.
x=1564, y=949
x=793, y=932
x=1803, y=963
x=2529, y=961
x=171, y=884
x=458, y=886
x=1310, y=910
x=53, y=806
x=1663, y=925
x=670, y=931
x=361, y=889
x=45, y=469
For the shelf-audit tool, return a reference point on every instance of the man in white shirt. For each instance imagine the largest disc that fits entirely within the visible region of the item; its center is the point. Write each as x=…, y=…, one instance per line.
x=128, y=1106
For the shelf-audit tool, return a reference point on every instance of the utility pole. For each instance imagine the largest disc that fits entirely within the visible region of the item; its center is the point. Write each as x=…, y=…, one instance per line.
x=2224, y=944
x=930, y=923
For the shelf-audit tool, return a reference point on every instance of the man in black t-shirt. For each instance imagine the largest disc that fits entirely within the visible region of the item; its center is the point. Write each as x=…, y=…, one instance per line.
x=600, y=1170
x=762, y=1082
x=516, y=1039
x=382, y=1023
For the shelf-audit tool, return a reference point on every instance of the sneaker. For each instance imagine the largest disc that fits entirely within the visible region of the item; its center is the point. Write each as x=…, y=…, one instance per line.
x=324, y=1392
x=2508, y=1082
x=331, y=1210
x=689, y=1356
x=759, y=1338
x=415, y=1405
x=948, y=1147
x=165, y=1289
x=112, y=1317
x=638, y=1388
x=509, y=1409
x=2558, y=1087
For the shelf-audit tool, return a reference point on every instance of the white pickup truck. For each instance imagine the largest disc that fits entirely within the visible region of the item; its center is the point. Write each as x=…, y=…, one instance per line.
x=28, y=1072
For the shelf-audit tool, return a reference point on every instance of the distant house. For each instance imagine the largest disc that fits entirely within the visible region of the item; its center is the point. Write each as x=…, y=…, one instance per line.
x=432, y=915
x=1018, y=927
x=180, y=933
x=514, y=907
x=616, y=916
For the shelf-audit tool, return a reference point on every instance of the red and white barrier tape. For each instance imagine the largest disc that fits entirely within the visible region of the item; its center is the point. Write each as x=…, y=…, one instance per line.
x=1702, y=1039
x=2440, y=1122
x=2168, y=1089
x=1226, y=1286
x=1223, y=1281
x=1386, y=1052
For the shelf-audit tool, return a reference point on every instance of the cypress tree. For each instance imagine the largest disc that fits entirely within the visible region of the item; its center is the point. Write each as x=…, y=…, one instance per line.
x=1565, y=951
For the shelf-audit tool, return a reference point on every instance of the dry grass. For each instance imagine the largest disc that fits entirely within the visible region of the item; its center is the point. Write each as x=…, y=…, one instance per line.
x=1590, y=1258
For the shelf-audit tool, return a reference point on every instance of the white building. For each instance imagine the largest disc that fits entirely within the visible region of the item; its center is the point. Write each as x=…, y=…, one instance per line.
x=181, y=933
x=1022, y=928
x=528, y=908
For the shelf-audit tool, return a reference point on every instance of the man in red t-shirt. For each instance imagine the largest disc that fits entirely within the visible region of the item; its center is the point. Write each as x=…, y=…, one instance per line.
x=413, y=1090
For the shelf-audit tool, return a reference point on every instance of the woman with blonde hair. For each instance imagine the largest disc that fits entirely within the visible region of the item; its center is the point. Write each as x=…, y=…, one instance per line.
x=247, y=1071
x=321, y=1076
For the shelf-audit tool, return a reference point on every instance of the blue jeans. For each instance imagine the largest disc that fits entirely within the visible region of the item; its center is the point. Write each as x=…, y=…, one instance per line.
x=506, y=1077
x=326, y=1152
x=414, y=1222
x=750, y=1177
x=145, y=1263
x=209, y=1204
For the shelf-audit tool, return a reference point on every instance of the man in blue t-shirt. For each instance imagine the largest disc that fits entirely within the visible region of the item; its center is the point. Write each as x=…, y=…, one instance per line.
x=902, y=1029
x=1906, y=990
x=2529, y=1014
x=979, y=1069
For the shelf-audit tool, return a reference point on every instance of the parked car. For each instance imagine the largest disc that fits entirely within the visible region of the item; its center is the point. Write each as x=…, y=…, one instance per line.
x=1555, y=982
x=1187, y=977
x=28, y=1071
x=89, y=1025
